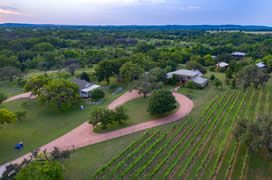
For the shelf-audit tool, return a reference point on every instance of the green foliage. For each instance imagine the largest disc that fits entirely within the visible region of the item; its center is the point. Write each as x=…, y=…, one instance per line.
x=233, y=84
x=130, y=71
x=212, y=77
x=217, y=83
x=190, y=84
x=229, y=73
x=9, y=73
x=255, y=134
x=120, y=114
x=192, y=65
x=113, y=87
x=161, y=101
x=36, y=83
x=21, y=115
x=104, y=70
x=60, y=93
x=45, y=170
x=63, y=74
x=44, y=47
x=85, y=76
x=3, y=97
x=251, y=74
x=6, y=116
x=106, y=116
x=212, y=68
x=97, y=94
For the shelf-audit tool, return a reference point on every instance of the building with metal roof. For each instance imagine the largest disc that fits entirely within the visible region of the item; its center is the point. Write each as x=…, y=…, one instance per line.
x=260, y=65
x=239, y=54
x=85, y=87
x=183, y=76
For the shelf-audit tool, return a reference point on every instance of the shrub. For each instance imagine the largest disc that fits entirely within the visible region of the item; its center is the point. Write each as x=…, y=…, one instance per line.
x=190, y=84
x=85, y=76
x=161, y=101
x=21, y=115
x=3, y=97
x=97, y=94
x=212, y=77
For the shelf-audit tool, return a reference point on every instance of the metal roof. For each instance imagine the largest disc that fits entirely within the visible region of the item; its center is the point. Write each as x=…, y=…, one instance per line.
x=182, y=72
x=200, y=80
x=82, y=84
x=90, y=88
x=223, y=64
x=238, y=54
x=260, y=65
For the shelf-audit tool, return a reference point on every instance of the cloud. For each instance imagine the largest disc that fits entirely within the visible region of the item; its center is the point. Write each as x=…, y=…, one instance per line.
x=189, y=8
x=8, y=8
x=9, y=12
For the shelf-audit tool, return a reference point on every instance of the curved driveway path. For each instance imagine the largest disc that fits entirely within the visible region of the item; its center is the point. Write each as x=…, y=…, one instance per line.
x=84, y=135
x=20, y=96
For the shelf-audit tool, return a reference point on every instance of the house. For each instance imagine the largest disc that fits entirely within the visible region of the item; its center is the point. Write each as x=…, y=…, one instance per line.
x=222, y=65
x=261, y=65
x=238, y=54
x=85, y=87
x=183, y=76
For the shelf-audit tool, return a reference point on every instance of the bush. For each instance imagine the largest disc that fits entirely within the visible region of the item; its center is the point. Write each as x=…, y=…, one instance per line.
x=113, y=87
x=3, y=97
x=97, y=94
x=103, y=84
x=85, y=76
x=212, y=77
x=46, y=170
x=21, y=115
x=190, y=84
x=161, y=101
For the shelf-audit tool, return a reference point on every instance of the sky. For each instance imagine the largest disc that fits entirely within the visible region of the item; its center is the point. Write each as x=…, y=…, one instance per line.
x=137, y=12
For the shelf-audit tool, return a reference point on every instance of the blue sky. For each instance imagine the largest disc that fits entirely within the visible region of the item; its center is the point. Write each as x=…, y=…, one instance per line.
x=137, y=12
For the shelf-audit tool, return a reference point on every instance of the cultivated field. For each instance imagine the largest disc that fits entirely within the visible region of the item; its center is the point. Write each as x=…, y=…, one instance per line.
x=203, y=148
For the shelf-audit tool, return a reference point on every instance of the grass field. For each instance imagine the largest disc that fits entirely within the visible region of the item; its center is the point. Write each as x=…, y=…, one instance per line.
x=9, y=89
x=198, y=148
x=42, y=125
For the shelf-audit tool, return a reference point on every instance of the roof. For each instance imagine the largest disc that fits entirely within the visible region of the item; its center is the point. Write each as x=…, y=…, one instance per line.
x=82, y=84
x=213, y=56
x=223, y=64
x=90, y=88
x=260, y=65
x=200, y=80
x=199, y=74
x=182, y=72
x=238, y=54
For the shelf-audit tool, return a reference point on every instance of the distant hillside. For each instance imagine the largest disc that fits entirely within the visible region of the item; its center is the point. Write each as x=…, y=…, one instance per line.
x=147, y=27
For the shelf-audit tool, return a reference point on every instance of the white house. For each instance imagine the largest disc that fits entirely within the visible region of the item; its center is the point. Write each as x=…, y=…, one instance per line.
x=85, y=87
x=186, y=75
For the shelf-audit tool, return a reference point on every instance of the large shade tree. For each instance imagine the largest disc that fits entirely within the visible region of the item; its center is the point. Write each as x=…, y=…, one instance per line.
x=161, y=101
x=61, y=93
x=251, y=74
x=255, y=134
x=36, y=83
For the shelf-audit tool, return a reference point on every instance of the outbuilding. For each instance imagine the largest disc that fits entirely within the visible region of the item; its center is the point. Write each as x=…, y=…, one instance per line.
x=85, y=87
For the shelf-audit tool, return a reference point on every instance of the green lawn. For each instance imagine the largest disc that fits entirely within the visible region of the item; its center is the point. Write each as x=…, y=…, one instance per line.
x=218, y=75
x=10, y=89
x=43, y=124
x=84, y=162
x=137, y=113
